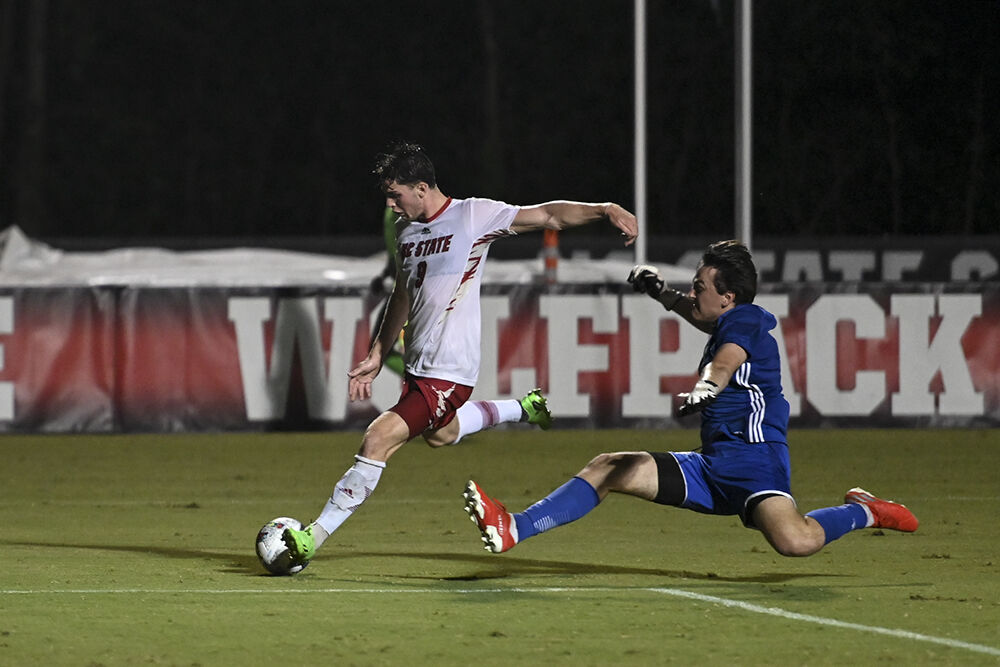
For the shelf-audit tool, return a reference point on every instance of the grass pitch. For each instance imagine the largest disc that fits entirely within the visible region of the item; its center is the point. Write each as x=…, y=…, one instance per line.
x=139, y=549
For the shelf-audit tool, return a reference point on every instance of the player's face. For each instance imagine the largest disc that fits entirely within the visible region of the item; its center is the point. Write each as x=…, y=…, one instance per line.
x=709, y=305
x=405, y=200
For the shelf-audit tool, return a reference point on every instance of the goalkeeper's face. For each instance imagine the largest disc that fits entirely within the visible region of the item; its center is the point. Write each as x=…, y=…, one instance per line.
x=709, y=304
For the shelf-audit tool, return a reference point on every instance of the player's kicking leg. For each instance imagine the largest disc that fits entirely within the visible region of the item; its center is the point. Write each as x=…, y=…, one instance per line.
x=351, y=491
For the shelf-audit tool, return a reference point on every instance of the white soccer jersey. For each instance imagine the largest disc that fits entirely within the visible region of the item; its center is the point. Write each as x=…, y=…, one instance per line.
x=441, y=261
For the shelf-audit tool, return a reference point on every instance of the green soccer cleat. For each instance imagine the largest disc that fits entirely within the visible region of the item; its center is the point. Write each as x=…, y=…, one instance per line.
x=536, y=408
x=301, y=544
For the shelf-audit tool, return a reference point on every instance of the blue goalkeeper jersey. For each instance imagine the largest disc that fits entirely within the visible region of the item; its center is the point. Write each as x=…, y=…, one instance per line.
x=751, y=407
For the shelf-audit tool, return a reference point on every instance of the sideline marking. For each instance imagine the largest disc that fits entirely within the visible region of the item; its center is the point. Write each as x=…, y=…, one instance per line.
x=676, y=592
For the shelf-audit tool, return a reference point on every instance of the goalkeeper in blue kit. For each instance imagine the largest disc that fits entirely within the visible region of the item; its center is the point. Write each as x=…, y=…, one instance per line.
x=743, y=466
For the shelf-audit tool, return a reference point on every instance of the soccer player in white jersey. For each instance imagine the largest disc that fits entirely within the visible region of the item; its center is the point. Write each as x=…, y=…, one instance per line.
x=441, y=245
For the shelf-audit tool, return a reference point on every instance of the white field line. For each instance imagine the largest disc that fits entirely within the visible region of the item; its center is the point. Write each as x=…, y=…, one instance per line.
x=820, y=620
x=675, y=592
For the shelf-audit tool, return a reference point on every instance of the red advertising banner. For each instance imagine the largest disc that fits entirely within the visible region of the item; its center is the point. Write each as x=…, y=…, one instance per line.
x=106, y=359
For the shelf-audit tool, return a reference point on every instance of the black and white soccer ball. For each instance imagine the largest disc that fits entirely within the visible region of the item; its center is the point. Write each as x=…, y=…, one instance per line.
x=271, y=549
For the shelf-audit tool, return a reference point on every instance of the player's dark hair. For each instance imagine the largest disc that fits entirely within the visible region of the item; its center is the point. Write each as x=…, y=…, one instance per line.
x=735, y=271
x=406, y=163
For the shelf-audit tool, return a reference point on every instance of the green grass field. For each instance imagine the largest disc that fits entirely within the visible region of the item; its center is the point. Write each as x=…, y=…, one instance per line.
x=134, y=549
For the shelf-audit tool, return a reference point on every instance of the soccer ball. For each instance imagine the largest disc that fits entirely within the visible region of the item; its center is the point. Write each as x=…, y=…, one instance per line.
x=271, y=549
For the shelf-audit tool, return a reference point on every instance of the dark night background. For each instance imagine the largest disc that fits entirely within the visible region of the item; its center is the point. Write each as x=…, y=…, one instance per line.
x=124, y=121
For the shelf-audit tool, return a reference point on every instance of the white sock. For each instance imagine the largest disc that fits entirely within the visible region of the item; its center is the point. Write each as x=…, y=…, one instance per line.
x=475, y=416
x=868, y=513
x=353, y=489
x=319, y=534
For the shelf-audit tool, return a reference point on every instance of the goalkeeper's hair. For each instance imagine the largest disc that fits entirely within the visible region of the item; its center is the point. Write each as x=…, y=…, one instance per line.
x=735, y=271
x=406, y=163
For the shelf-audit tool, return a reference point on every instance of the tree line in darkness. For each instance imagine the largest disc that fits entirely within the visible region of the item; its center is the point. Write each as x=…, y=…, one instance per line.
x=123, y=120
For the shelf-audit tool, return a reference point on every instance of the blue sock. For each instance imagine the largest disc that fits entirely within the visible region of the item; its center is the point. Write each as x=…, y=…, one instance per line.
x=567, y=503
x=839, y=521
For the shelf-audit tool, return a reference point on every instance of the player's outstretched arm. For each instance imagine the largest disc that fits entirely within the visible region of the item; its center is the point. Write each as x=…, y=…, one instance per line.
x=561, y=214
x=647, y=279
x=684, y=306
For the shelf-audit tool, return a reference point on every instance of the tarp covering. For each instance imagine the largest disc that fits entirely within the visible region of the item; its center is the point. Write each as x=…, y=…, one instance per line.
x=28, y=262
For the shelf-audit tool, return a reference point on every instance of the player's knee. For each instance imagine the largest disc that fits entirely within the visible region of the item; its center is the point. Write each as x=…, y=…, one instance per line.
x=378, y=445
x=446, y=435
x=611, y=471
x=603, y=463
x=437, y=439
x=387, y=433
x=794, y=544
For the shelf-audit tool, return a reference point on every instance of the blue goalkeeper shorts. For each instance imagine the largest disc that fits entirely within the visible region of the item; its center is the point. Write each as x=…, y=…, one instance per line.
x=730, y=478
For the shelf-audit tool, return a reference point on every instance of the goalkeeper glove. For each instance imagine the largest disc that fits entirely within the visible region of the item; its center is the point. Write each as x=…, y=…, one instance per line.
x=704, y=394
x=645, y=278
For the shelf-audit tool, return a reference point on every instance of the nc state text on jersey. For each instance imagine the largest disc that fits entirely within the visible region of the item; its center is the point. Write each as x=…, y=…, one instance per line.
x=426, y=247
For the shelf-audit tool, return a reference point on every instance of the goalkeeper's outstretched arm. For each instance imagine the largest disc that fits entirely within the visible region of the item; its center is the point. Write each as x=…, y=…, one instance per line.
x=647, y=279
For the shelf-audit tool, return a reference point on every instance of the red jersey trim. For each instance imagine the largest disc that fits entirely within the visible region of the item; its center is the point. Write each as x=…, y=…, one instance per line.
x=439, y=211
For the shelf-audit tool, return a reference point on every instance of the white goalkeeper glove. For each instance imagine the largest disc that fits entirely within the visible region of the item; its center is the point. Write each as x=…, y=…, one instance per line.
x=699, y=398
x=646, y=278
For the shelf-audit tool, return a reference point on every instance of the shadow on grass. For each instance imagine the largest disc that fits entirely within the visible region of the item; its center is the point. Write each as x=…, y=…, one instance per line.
x=484, y=567
x=500, y=567
x=247, y=564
